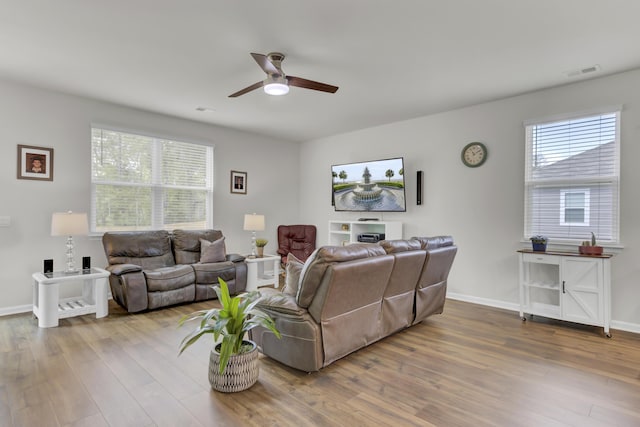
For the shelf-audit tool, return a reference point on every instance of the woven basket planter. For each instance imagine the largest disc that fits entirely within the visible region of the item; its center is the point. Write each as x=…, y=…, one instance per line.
x=241, y=372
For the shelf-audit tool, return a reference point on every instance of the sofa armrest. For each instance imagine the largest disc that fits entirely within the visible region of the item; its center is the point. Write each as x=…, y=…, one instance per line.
x=120, y=269
x=273, y=301
x=235, y=258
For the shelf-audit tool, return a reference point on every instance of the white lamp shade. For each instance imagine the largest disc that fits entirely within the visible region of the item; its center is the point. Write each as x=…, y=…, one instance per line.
x=69, y=224
x=254, y=222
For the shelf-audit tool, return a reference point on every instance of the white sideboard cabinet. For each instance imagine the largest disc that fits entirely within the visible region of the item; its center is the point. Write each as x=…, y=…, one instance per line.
x=347, y=232
x=566, y=286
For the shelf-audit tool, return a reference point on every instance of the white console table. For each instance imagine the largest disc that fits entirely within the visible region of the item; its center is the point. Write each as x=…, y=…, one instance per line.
x=48, y=307
x=256, y=275
x=566, y=286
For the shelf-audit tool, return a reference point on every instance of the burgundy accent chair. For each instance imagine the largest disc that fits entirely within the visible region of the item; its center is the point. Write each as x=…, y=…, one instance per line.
x=300, y=240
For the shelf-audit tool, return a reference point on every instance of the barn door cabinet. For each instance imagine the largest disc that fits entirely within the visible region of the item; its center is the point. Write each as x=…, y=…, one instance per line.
x=566, y=286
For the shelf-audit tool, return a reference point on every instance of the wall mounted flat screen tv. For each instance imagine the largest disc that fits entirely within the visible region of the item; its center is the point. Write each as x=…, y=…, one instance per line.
x=374, y=186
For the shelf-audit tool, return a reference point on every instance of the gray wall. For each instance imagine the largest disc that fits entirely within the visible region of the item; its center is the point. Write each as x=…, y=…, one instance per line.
x=38, y=117
x=483, y=207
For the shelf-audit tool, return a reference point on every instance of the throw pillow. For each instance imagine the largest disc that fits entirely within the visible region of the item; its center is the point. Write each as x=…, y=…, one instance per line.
x=213, y=251
x=293, y=269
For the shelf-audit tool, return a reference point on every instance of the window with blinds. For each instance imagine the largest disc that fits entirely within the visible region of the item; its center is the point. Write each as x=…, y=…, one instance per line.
x=145, y=183
x=572, y=174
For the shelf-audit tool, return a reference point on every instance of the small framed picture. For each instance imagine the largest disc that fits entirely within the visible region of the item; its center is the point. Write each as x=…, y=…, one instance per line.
x=35, y=163
x=238, y=182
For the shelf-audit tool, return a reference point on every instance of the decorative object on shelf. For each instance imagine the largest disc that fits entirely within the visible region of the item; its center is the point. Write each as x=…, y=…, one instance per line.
x=253, y=223
x=35, y=163
x=590, y=247
x=539, y=243
x=233, y=363
x=238, y=182
x=345, y=227
x=69, y=224
x=260, y=244
x=474, y=154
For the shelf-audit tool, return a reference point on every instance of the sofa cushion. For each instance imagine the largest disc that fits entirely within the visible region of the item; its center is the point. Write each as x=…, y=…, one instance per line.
x=169, y=278
x=395, y=246
x=186, y=244
x=292, y=279
x=212, y=251
x=429, y=243
x=316, y=265
x=208, y=273
x=148, y=249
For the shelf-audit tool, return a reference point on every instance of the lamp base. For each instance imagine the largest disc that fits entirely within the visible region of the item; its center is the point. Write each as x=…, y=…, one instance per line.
x=70, y=257
x=253, y=244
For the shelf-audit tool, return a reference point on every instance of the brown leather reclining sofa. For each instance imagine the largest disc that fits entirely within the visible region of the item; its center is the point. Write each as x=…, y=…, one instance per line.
x=153, y=269
x=349, y=297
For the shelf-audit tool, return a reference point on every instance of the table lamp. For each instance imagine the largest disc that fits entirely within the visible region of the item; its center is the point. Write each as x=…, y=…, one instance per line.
x=253, y=223
x=69, y=224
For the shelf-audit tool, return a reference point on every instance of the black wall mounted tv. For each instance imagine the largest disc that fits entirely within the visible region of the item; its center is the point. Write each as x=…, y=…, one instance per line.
x=373, y=186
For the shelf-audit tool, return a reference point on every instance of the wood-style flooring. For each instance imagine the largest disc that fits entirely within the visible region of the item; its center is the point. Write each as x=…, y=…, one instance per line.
x=471, y=366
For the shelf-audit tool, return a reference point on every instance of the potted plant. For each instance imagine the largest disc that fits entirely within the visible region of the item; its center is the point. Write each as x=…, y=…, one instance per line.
x=539, y=243
x=233, y=362
x=260, y=244
x=590, y=247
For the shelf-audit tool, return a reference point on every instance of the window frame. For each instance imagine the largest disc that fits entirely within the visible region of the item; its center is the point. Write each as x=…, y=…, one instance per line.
x=586, y=206
x=571, y=184
x=156, y=185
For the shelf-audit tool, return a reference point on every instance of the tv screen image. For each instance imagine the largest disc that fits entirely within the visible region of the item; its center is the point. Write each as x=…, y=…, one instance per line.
x=373, y=186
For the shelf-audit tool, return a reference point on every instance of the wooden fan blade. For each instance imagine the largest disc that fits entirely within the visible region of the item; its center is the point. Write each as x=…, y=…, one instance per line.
x=246, y=89
x=310, y=84
x=265, y=64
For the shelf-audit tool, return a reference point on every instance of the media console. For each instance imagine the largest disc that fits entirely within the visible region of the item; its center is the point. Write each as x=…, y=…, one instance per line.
x=347, y=232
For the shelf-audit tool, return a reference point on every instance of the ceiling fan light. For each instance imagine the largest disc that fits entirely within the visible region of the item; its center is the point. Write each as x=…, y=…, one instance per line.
x=276, y=89
x=277, y=86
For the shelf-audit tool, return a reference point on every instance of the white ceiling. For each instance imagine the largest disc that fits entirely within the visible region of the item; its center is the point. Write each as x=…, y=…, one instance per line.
x=393, y=60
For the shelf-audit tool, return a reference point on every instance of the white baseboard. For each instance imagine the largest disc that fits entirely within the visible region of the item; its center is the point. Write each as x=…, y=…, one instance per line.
x=615, y=324
x=484, y=301
x=7, y=311
x=625, y=326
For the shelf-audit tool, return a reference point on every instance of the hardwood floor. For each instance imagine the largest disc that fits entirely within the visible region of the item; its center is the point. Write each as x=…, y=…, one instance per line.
x=471, y=366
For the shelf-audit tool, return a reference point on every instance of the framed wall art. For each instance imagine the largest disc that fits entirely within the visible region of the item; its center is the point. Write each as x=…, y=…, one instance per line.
x=35, y=163
x=238, y=182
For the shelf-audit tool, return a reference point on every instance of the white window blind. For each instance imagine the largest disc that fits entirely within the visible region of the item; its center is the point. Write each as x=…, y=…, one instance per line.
x=572, y=174
x=145, y=183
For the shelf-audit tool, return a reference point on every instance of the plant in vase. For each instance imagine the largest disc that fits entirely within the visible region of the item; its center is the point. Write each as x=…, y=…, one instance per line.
x=260, y=244
x=539, y=243
x=233, y=363
x=590, y=247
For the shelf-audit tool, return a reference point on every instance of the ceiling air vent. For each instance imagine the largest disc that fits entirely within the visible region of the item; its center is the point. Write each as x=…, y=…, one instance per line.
x=583, y=71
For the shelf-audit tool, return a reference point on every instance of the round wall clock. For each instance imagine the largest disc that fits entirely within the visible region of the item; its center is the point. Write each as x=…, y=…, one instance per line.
x=474, y=154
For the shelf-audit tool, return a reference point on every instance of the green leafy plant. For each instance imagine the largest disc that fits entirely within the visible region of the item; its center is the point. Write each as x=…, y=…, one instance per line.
x=539, y=239
x=261, y=243
x=232, y=321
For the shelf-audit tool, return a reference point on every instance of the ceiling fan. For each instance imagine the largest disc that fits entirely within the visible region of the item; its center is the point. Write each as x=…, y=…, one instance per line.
x=277, y=82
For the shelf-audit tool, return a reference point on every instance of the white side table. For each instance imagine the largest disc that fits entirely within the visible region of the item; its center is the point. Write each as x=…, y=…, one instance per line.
x=48, y=307
x=256, y=275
